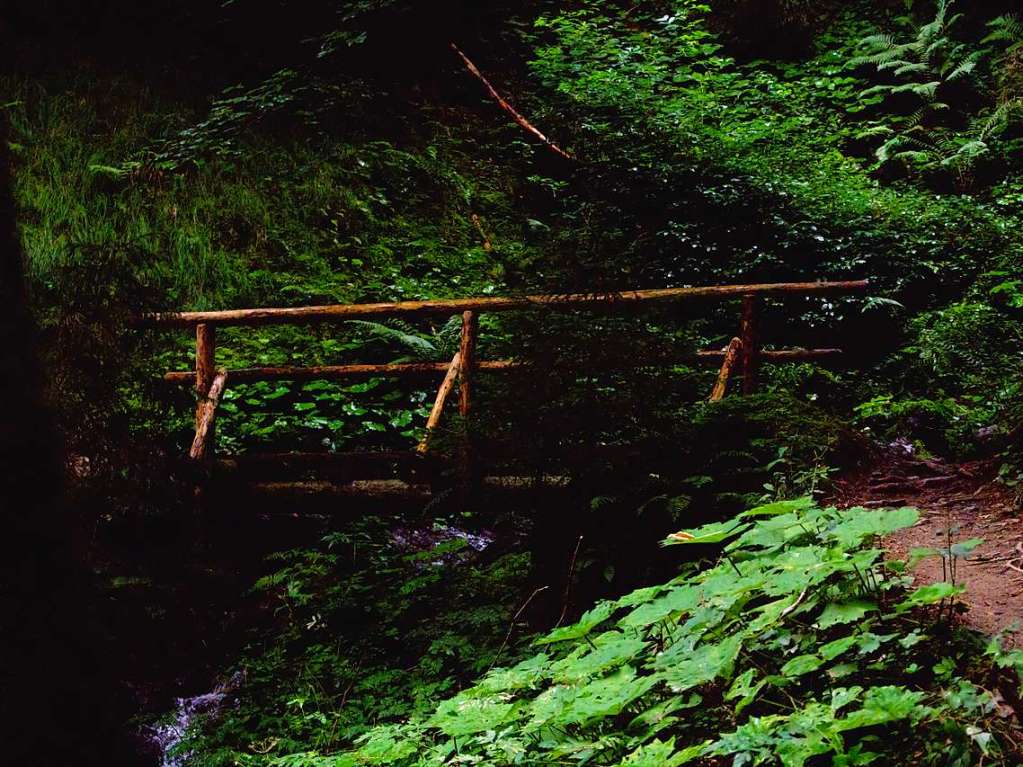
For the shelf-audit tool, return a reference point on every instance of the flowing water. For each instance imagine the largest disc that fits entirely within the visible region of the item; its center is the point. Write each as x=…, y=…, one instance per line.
x=165, y=737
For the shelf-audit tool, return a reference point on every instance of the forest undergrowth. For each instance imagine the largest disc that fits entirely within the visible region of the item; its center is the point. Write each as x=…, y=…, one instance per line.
x=825, y=141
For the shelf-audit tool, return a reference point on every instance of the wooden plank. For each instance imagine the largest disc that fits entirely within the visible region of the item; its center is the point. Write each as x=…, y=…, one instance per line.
x=206, y=414
x=342, y=312
x=749, y=351
x=721, y=385
x=438, y=404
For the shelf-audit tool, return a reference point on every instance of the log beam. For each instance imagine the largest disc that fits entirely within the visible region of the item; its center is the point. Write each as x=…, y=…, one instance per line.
x=328, y=372
x=343, y=312
x=775, y=355
x=426, y=369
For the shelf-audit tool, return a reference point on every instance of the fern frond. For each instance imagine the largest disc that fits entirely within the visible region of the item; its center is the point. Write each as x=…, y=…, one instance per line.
x=874, y=131
x=965, y=67
x=1004, y=29
x=907, y=67
x=415, y=343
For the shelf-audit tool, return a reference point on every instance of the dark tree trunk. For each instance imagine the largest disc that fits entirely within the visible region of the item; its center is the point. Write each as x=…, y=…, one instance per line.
x=53, y=705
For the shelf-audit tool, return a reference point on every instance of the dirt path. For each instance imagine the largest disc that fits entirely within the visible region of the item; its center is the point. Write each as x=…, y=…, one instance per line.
x=965, y=498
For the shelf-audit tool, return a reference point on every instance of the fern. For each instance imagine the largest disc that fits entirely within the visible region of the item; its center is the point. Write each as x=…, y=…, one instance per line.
x=923, y=67
x=417, y=344
x=1006, y=29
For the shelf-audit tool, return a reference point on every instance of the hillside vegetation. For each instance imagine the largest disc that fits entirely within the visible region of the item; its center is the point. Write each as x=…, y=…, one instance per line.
x=192, y=156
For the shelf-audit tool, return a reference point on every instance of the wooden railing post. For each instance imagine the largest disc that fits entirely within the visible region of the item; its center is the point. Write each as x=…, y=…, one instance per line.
x=750, y=352
x=205, y=371
x=466, y=369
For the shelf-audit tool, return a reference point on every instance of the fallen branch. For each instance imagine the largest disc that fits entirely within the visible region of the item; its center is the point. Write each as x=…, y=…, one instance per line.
x=522, y=121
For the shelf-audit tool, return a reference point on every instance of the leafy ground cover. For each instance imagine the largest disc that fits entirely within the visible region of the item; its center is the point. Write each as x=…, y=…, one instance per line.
x=793, y=642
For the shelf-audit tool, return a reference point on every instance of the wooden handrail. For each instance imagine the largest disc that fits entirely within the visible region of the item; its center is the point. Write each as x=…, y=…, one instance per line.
x=209, y=382
x=426, y=369
x=342, y=312
x=328, y=372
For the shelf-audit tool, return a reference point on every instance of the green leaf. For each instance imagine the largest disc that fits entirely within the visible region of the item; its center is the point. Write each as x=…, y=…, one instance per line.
x=929, y=595
x=589, y=621
x=833, y=649
x=861, y=523
x=801, y=664
x=466, y=715
x=964, y=548
x=712, y=533
x=847, y=612
x=884, y=704
x=662, y=754
x=701, y=665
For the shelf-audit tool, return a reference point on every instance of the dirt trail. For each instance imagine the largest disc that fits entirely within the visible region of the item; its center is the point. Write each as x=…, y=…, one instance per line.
x=966, y=498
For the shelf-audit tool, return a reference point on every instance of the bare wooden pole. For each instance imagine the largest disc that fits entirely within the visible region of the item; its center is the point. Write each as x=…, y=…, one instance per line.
x=206, y=413
x=467, y=350
x=522, y=121
x=205, y=363
x=721, y=385
x=774, y=355
x=438, y=404
x=343, y=312
x=422, y=369
x=750, y=353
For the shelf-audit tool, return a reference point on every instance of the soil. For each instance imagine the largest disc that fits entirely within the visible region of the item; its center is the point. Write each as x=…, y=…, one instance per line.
x=966, y=499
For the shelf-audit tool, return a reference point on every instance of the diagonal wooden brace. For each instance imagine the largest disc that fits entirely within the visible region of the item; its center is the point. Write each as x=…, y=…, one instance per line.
x=205, y=414
x=731, y=356
x=438, y=404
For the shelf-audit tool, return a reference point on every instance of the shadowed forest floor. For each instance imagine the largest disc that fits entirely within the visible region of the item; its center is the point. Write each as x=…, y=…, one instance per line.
x=966, y=500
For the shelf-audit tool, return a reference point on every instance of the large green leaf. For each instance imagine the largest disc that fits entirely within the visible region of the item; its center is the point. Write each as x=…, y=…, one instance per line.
x=846, y=612
x=930, y=594
x=703, y=664
x=715, y=532
x=607, y=651
x=857, y=524
x=589, y=621
x=466, y=715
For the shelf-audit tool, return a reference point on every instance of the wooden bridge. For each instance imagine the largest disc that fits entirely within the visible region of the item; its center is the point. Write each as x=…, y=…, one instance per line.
x=742, y=356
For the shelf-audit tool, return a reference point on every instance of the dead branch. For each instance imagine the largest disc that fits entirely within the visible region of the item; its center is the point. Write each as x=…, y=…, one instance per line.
x=522, y=121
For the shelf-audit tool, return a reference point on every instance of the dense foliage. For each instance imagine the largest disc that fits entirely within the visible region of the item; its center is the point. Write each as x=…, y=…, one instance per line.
x=799, y=642
x=285, y=155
